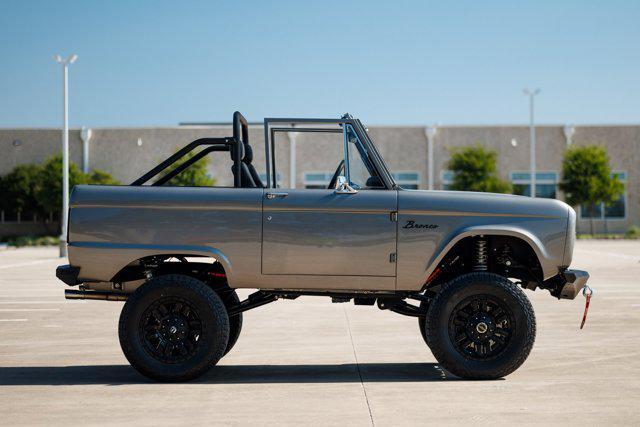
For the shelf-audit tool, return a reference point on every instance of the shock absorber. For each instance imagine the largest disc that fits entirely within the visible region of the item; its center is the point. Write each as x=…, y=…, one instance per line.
x=481, y=255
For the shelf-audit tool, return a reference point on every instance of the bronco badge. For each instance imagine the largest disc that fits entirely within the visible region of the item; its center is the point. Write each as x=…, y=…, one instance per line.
x=413, y=224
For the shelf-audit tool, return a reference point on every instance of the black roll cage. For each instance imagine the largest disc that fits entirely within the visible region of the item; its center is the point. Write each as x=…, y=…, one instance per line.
x=234, y=145
x=229, y=144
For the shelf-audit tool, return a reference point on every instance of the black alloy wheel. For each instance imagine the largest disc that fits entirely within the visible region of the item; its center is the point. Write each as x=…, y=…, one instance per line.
x=480, y=326
x=173, y=328
x=170, y=330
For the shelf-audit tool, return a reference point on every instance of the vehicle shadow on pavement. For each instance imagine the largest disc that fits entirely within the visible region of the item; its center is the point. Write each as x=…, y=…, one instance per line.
x=230, y=374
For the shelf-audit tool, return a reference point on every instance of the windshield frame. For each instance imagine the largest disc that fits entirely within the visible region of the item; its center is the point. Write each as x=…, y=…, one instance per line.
x=290, y=123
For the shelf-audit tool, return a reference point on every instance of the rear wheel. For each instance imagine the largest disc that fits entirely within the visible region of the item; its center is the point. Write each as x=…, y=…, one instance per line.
x=480, y=326
x=173, y=328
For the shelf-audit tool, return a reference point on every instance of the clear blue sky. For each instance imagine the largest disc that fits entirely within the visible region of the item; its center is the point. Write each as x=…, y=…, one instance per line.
x=390, y=62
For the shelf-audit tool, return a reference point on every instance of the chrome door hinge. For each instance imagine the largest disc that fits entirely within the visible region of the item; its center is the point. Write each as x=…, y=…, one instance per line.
x=393, y=216
x=392, y=257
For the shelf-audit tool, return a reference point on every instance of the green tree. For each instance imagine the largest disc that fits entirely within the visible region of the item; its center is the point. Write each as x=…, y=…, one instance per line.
x=194, y=176
x=100, y=177
x=587, y=178
x=18, y=189
x=475, y=169
x=49, y=187
x=38, y=189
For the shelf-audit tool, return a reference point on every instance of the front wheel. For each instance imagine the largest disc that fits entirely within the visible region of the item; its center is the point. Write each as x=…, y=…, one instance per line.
x=173, y=328
x=480, y=326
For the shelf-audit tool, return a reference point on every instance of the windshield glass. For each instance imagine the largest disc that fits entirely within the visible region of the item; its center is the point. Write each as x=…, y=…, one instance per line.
x=361, y=171
x=374, y=153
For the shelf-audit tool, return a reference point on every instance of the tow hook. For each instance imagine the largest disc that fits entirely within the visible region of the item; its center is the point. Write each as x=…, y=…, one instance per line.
x=587, y=293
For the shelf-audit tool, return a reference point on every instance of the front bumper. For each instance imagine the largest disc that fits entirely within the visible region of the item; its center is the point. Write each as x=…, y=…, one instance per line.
x=575, y=281
x=68, y=274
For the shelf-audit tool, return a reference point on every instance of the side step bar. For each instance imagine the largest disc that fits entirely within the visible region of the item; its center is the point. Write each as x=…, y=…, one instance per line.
x=96, y=295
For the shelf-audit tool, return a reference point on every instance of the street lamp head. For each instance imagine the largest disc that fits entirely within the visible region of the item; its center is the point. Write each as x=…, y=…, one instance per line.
x=70, y=60
x=526, y=91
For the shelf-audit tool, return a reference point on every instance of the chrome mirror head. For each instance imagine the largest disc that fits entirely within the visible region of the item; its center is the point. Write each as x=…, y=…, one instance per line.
x=343, y=187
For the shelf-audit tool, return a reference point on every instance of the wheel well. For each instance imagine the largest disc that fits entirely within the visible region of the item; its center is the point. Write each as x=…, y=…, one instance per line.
x=206, y=269
x=507, y=256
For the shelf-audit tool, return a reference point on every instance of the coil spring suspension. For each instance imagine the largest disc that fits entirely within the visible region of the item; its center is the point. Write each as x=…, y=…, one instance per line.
x=481, y=255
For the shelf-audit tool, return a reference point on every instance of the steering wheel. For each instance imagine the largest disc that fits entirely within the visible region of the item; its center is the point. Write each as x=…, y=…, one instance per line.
x=334, y=178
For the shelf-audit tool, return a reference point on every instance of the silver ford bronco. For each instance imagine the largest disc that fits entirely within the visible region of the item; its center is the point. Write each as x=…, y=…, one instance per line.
x=454, y=260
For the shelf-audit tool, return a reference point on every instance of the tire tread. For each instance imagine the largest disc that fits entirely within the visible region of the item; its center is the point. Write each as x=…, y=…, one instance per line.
x=432, y=326
x=194, y=285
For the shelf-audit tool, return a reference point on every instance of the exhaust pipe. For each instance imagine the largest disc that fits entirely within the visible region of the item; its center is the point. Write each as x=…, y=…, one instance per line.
x=96, y=295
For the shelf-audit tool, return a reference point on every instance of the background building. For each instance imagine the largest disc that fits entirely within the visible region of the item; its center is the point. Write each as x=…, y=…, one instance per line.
x=127, y=153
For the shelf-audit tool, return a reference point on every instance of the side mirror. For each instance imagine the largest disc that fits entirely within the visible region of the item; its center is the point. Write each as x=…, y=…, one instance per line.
x=343, y=187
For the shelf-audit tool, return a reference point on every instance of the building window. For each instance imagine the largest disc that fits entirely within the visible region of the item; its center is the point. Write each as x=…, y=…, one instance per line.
x=546, y=184
x=263, y=178
x=317, y=180
x=407, y=179
x=616, y=210
x=447, y=179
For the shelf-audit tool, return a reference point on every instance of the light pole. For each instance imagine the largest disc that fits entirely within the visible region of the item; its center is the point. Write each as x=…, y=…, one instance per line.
x=65, y=149
x=85, y=135
x=430, y=132
x=532, y=140
x=292, y=160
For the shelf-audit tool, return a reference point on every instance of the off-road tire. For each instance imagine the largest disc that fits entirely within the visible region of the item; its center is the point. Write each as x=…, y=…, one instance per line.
x=230, y=299
x=422, y=323
x=213, y=325
x=456, y=293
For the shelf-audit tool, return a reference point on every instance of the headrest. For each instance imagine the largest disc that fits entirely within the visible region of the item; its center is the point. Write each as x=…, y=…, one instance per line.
x=374, y=182
x=242, y=152
x=248, y=153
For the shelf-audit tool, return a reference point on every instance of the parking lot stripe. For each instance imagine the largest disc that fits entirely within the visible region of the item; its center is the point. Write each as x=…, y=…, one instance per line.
x=611, y=254
x=13, y=320
x=24, y=264
x=31, y=302
x=29, y=309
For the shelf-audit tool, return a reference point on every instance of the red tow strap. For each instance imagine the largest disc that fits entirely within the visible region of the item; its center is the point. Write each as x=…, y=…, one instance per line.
x=586, y=292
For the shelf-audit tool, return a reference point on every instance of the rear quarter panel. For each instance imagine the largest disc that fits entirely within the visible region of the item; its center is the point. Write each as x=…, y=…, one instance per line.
x=111, y=226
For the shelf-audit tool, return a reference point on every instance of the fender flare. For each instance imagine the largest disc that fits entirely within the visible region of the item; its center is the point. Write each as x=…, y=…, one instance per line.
x=127, y=253
x=490, y=230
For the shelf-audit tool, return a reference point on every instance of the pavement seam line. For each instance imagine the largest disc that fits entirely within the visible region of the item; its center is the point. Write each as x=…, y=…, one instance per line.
x=355, y=356
x=25, y=264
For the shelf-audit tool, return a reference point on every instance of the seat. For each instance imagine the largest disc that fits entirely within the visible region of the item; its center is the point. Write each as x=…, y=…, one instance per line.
x=249, y=175
x=247, y=161
x=246, y=181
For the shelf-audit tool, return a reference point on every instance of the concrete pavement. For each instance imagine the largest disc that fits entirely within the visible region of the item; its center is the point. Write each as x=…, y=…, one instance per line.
x=312, y=362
